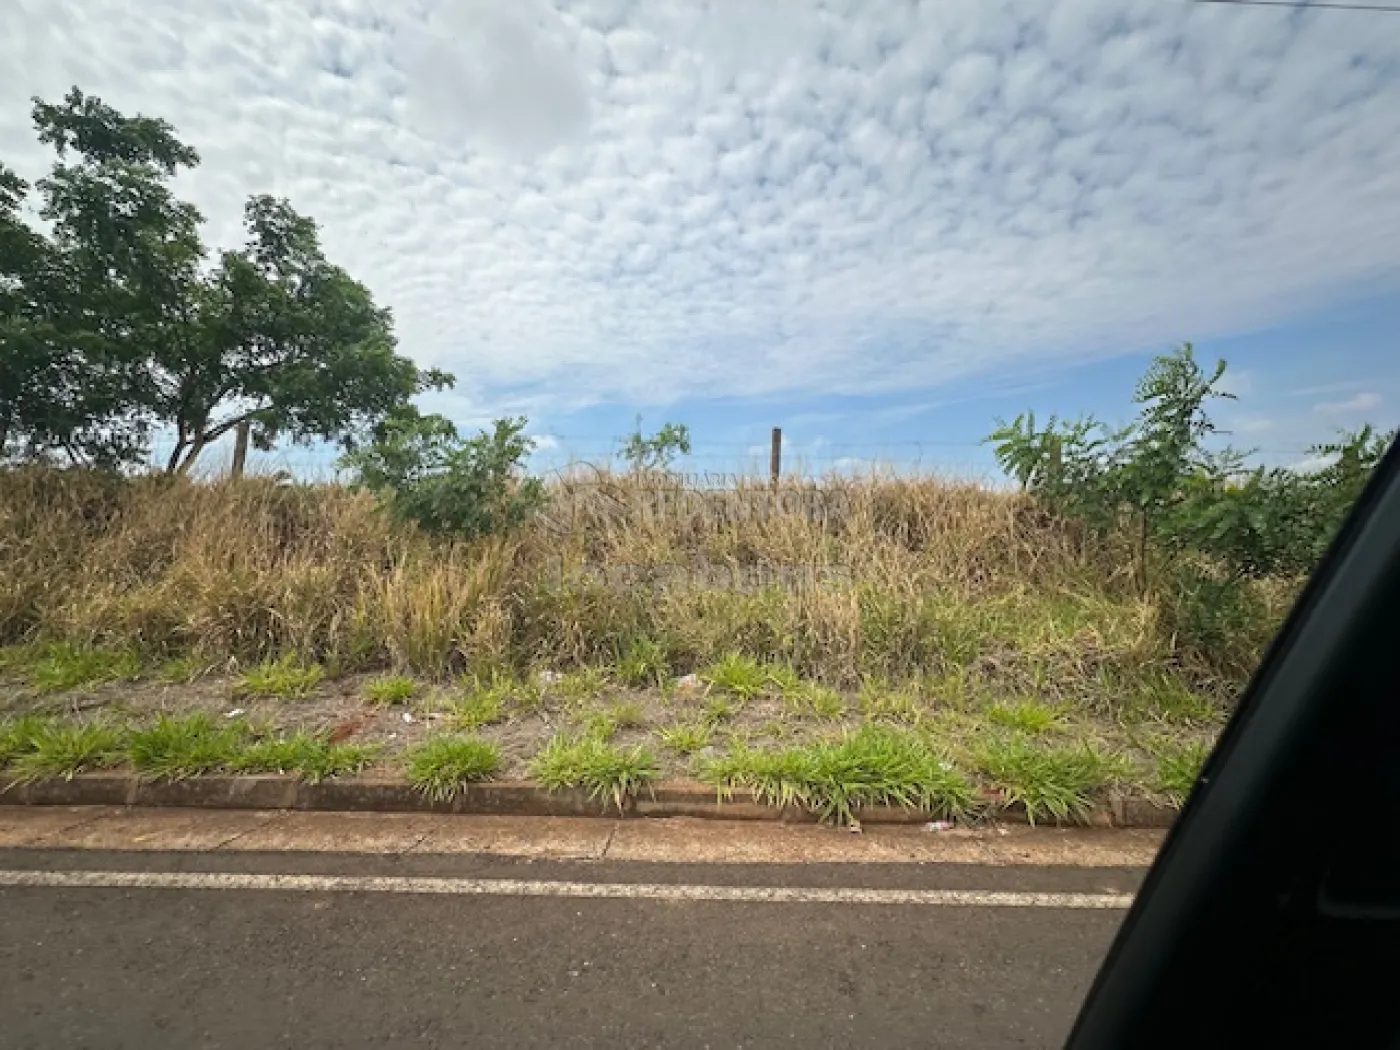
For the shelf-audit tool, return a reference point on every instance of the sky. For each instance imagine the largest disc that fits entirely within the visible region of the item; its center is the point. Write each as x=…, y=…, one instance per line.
x=878, y=225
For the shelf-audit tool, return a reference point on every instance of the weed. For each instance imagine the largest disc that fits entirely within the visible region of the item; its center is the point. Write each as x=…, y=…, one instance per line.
x=311, y=757
x=477, y=709
x=1178, y=767
x=1024, y=716
x=628, y=714
x=879, y=700
x=17, y=737
x=818, y=700
x=583, y=684
x=392, y=689
x=719, y=708
x=740, y=675
x=685, y=738
x=604, y=770
x=1169, y=700
x=181, y=670
x=599, y=725
x=1056, y=782
x=182, y=747
x=65, y=749
x=643, y=664
x=872, y=766
x=443, y=765
x=285, y=678
x=63, y=666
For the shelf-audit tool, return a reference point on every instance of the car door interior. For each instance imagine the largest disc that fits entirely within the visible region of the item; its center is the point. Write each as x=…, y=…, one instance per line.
x=1272, y=915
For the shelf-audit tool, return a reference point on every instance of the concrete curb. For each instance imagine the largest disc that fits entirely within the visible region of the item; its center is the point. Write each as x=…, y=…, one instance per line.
x=672, y=798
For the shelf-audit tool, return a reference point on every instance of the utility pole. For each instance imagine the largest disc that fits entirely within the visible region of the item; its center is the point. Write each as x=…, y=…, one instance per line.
x=775, y=459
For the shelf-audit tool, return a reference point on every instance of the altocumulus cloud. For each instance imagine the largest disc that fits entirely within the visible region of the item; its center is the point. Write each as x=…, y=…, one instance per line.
x=605, y=200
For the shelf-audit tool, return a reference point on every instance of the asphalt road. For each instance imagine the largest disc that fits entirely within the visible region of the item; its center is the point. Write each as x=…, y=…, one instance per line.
x=185, y=968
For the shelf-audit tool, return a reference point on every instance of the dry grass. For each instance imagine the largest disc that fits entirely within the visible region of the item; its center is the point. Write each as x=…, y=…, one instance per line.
x=897, y=578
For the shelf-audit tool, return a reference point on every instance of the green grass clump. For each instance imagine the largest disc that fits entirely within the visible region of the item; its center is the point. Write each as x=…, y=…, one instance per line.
x=62, y=666
x=390, y=690
x=719, y=708
x=1025, y=716
x=1178, y=767
x=876, y=765
x=1056, y=782
x=604, y=770
x=815, y=699
x=181, y=670
x=881, y=701
x=443, y=765
x=17, y=737
x=740, y=675
x=310, y=756
x=182, y=747
x=583, y=684
x=643, y=664
x=64, y=749
x=685, y=738
x=285, y=678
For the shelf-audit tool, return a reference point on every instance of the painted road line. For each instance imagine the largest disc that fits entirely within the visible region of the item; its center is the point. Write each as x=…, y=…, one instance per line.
x=164, y=880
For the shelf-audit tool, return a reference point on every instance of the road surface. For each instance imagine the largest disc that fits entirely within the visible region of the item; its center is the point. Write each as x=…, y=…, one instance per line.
x=140, y=949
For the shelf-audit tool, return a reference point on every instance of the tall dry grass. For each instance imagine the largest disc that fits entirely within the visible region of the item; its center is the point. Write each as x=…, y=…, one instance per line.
x=883, y=576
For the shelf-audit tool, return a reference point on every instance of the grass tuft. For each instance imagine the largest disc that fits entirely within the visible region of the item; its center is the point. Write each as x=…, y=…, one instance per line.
x=685, y=738
x=876, y=765
x=443, y=765
x=587, y=762
x=17, y=737
x=62, y=666
x=1178, y=768
x=310, y=756
x=643, y=664
x=1059, y=783
x=1024, y=716
x=176, y=747
x=882, y=701
x=390, y=690
x=59, y=749
x=285, y=678
x=743, y=676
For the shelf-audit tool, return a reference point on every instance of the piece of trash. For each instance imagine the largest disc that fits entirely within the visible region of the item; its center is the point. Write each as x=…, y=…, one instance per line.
x=854, y=827
x=939, y=825
x=393, y=736
x=688, y=681
x=550, y=677
x=235, y=713
x=407, y=718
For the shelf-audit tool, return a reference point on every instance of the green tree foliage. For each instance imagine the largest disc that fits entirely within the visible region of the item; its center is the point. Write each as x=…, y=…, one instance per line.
x=658, y=451
x=1157, y=485
x=428, y=474
x=113, y=323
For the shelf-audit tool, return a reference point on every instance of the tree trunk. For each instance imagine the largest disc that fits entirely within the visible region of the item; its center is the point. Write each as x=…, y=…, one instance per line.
x=240, y=449
x=196, y=447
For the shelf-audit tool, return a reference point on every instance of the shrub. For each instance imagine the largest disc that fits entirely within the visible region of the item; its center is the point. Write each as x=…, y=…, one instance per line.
x=430, y=476
x=588, y=762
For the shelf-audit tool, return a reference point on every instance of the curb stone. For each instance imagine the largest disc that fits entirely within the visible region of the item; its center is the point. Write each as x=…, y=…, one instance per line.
x=672, y=798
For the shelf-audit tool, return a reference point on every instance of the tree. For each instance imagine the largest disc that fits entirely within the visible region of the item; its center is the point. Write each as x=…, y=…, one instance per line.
x=113, y=324
x=658, y=451
x=287, y=342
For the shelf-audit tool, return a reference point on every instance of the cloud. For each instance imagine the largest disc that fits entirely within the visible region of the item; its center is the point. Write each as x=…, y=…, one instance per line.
x=1365, y=402
x=640, y=202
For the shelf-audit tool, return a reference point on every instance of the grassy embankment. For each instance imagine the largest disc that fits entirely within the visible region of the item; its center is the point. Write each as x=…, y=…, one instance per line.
x=926, y=642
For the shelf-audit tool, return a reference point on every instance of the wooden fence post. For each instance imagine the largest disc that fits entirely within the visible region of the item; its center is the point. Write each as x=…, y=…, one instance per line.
x=240, y=449
x=775, y=460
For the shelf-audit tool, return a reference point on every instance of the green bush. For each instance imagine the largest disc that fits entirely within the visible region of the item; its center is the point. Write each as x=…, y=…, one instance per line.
x=430, y=476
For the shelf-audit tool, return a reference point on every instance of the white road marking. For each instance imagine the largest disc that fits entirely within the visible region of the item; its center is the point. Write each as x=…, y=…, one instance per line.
x=227, y=880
